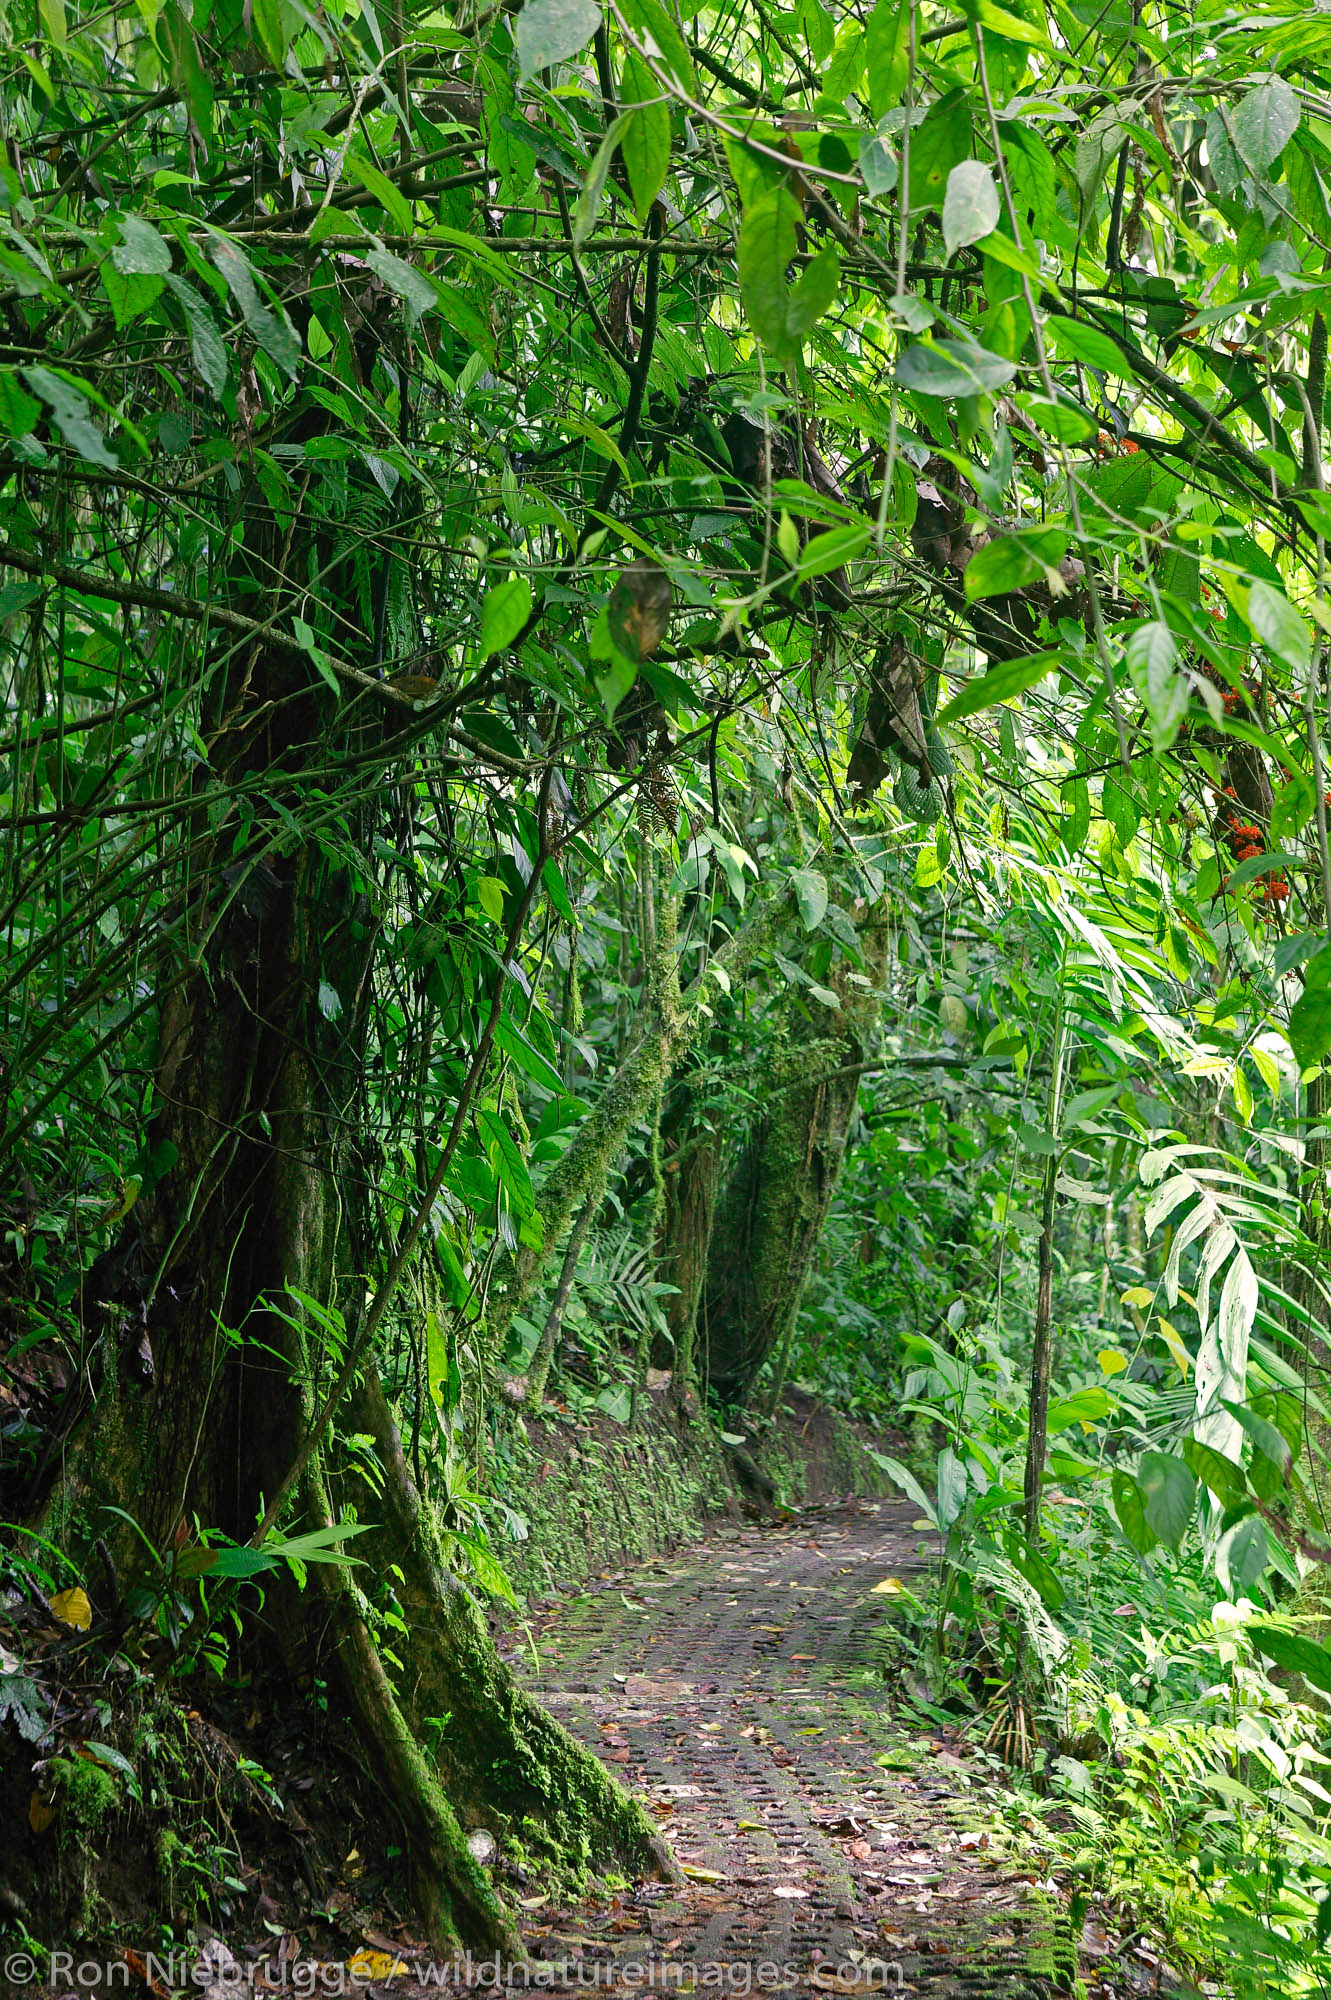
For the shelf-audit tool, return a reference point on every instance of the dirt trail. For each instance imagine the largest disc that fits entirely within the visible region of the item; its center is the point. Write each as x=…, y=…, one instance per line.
x=732, y=1687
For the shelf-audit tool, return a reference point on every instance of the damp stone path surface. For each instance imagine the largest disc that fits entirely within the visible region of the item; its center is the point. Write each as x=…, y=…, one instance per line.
x=733, y=1688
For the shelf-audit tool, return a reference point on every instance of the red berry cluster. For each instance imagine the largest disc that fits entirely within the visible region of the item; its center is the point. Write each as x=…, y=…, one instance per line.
x=1105, y=444
x=1235, y=699
x=1245, y=841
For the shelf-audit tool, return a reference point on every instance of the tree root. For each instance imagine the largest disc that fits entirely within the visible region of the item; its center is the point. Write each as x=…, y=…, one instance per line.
x=503, y=1760
x=453, y=1895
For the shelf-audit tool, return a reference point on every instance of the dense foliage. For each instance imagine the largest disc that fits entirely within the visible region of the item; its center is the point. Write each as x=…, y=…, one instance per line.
x=602, y=604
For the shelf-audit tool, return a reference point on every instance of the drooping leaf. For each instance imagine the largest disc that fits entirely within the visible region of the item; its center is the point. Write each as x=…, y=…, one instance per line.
x=1264, y=122
x=504, y=612
x=951, y=368
x=553, y=31
x=1168, y=1487
x=971, y=205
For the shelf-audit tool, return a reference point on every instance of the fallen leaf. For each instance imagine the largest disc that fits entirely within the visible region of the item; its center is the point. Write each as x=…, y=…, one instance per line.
x=785, y=1890
x=376, y=1965
x=138, y=1965
x=701, y=1874
x=71, y=1607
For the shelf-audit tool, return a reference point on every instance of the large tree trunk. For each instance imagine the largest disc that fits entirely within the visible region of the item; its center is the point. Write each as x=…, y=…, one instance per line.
x=693, y=1182
x=260, y=1087
x=771, y=1212
x=581, y=1173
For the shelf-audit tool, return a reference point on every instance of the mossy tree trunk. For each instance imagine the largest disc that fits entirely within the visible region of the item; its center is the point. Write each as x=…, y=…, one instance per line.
x=260, y=1079
x=584, y=1168
x=693, y=1182
x=772, y=1209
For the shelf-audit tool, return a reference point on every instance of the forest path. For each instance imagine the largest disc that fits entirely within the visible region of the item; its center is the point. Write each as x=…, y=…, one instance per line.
x=732, y=1687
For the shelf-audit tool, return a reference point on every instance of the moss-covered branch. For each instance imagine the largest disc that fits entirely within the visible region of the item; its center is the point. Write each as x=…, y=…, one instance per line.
x=583, y=1170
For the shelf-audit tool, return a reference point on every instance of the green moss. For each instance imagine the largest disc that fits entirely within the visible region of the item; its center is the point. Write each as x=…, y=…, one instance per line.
x=88, y=1794
x=597, y=1502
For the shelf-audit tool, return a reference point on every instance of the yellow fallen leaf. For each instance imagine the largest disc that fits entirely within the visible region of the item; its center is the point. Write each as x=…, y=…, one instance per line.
x=40, y=1814
x=701, y=1874
x=891, y=1586
x=376, y=1965
x=71, y=1607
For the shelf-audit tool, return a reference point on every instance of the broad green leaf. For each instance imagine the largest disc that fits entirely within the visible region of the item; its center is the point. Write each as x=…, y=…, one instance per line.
x=552, y=31
x=504, y=612
x=970, y=207
x=509, y=1038
x=878, y=164
x=824, y=552
x=508, y=1162
x=389, y=197
x=952, y=368
x=1294, y=1652
x=1009, y=561
x=206, y=343
x=655, y=28
x=928, y=867
x=1083, y=1406
x=937, y=144
x=951, y=1487
x=130, y=294
x=1264, y=122
x=1266, y=1440
x=810, y=896
x=1224, y=1478
x=191, y=79
x=780, y=314
x=906, y=1480
x=813, y=294
x=1078, y=341
x=589, y=201
x=645, y=144
x=490, y=896
x=1294, y=807
x=272, y=331
x=19, y=411
x=1242, y=1555
x=270, y=25
x=1130, y=1507
x=72, y=416
x=1221, y=154
x=141, y=247
x=1066, y=423
x=1310, y=1016
x=1001, y=683
x=1168, y=1488
x=1279, y=626
x=887, y=54
x=1152, y=657
x=767, y=241
x=1003, y=21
